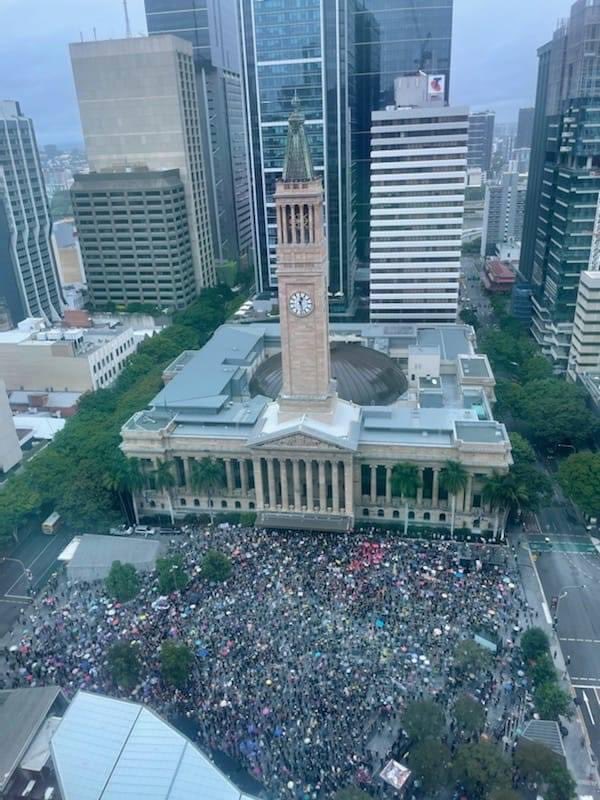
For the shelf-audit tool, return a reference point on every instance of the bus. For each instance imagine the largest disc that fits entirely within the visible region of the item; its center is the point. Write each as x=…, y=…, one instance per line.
x=51, y=524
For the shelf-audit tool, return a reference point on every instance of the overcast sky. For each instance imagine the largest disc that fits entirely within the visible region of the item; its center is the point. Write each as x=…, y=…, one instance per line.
x=493, y=62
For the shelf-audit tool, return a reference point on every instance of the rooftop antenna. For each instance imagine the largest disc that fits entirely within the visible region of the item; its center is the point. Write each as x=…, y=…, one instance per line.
x=95, y=35
x=127, y=23
x=81, y=36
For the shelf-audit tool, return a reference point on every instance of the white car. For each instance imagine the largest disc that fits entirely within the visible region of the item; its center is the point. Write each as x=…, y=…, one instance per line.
x=145, y=530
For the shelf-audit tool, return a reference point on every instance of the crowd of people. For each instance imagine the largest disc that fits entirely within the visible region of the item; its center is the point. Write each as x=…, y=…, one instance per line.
x=303, y=657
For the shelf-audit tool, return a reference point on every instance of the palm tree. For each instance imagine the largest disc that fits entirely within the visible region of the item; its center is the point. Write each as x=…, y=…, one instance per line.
x=165, y=481
x=405, y=482
x=453, y=478
x=135, y=480
x=207, y=475
x=504, y=492
x=115, y=480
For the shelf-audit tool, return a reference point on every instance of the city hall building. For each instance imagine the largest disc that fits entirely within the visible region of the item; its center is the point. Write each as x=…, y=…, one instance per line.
x=310, y=419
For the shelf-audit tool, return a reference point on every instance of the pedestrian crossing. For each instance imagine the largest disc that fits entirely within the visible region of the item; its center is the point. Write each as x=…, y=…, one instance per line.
x=561, y=544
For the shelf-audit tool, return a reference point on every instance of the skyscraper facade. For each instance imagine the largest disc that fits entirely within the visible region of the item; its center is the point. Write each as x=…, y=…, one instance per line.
x=139, y=110
x=391, y=39
x=481, y=140
x=29, y=284
x=300, y=49
x=418, y=177
x=563, y=178
x=503, y=212
x=212, y=28
x=525, y=127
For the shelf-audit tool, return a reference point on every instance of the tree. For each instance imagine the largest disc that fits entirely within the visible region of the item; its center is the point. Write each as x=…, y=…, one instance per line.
x=124, y=664
x=555, y=412
x=207, y=475
x=534, y=643
x=165, y=482
x=172, y=576
x=453, y=478
x=122, y=582
x=535, y=368
x=579, y=476
x=551, y=701
x=534, y=761
x=542, y=670
x=405, y=482
x=135, y=481
x=561, y=785
x=423, y=719
x=469, y=317
x=469, y=714
x=481, y=769
x=430, y=762
x=216, y=567
x=471, y=657
x=175, y=663
x=522, y=451
x=535, y=487
x=504, y=493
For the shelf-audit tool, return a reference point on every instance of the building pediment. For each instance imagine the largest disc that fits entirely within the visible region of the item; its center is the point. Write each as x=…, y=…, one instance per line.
x=297, y=441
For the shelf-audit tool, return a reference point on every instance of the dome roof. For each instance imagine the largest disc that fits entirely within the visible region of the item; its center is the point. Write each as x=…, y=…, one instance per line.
x=363, y=376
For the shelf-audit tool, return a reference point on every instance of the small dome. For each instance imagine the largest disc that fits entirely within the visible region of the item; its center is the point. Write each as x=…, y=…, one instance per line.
x=363, y=376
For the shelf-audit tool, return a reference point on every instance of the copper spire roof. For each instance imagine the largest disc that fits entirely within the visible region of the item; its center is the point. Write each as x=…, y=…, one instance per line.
x=298, y=162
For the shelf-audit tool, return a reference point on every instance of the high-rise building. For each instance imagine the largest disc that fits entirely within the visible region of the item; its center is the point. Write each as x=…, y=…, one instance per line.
x=584, y=355
x=304, y=50
x=139, y=110
x=503, y=212
x=481, y=140
x=525, y=127
x=29, y=284
x=212, y=28
x=418, y=179
x=392, y=38
x=134, y=238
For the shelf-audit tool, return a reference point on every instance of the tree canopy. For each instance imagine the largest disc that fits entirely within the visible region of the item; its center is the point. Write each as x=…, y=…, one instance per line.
x=122, y=582
x=423, y=719
x=172, y=576
x=579, y=476
x=471, y=657
x=429, y=761
x=481, y=769
x=551, y=701
x=469, y=714
x=175, y=662
x=124, y=664
x=534, y=643
x=216, y=567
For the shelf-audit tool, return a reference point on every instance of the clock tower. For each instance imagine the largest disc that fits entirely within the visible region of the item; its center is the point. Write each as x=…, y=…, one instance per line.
x=302, y=276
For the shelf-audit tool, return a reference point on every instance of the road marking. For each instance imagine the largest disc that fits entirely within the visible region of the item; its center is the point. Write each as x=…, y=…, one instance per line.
x=586, y=700
x=587, y=641
x=22, y=575
x=541, y=588
x=595, y=680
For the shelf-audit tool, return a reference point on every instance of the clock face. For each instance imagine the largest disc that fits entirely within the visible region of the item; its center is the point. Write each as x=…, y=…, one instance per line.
x=301, y=304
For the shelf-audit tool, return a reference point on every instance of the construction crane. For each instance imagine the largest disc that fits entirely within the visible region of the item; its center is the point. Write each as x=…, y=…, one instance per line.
x=127, y=22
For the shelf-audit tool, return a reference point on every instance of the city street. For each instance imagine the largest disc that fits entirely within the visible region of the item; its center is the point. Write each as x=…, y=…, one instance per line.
x=473, y=294
x=36, y=553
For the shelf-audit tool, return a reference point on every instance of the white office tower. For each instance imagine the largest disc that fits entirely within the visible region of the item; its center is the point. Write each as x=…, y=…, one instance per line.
x=584, y=354
x=139, y=111
x=418, y=178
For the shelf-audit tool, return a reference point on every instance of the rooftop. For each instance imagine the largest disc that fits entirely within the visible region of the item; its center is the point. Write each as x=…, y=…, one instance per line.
x=107, y=749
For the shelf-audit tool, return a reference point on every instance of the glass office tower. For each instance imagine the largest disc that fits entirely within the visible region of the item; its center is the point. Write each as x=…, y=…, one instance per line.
x=303, y=48
x=391, y=38
x=212, y=28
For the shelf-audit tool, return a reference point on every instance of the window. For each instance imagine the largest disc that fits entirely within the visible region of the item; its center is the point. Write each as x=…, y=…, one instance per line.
x=380, y=512
x=251, y=505
x=182, y=501
x=223, y=503
x=427, y=515
x=395, y=514
x=238, y=504
x=411, y=514
x=196, y=501
x=442, y=518
x=365, y=512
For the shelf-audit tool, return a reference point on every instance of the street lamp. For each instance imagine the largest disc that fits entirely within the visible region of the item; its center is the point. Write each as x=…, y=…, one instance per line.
x=563, y=592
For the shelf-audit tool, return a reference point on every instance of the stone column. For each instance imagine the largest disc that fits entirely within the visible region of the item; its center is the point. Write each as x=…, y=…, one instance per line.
x=296, y=479
x=271, y=483
x=469, y=493
x=435, y=492
x=348, y=488
x=244, y=477
x=284, y=484
x=420, y=489
x=373, y=483
x=186, y=472
x=229, y=475
x=322, y=487
x=310, y=501
x=388, y=486
x=258, y=483
x=335, y=487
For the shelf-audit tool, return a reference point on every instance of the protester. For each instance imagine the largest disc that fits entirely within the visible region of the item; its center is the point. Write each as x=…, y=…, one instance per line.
x=304, y=656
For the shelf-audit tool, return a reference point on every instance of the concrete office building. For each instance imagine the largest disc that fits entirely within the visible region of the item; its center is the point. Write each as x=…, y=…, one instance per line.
x=418, y=179
x=309, y=419
x=391, y=39
x=503, y=212
x=213, y=30
x=134, y=238
x=67, y=252
x=10, y=449
x=29, y=283
x=584, y=354
x=525, y=128
x=138, y=105
x=481, y=140
x=63, y=359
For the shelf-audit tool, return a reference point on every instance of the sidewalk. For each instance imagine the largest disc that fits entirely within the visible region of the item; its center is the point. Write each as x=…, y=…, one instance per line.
x=580, y=760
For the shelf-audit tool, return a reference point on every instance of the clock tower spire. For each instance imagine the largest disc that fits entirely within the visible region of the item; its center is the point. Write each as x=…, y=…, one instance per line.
x=302, y=275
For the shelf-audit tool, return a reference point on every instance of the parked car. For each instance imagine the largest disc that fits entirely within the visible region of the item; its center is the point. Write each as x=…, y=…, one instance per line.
x=121, y=530
x=144, y=530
